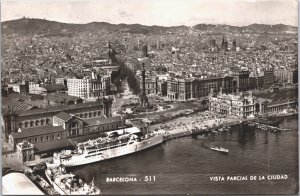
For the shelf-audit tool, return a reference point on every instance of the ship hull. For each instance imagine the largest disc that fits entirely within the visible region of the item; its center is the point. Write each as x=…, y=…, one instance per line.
x=218, y=150
x=55, y=186
x=84, y=159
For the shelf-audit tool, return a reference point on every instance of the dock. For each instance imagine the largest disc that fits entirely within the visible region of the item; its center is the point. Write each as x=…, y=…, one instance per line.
x=170, y=136
x=266, y=127
x=214, y=129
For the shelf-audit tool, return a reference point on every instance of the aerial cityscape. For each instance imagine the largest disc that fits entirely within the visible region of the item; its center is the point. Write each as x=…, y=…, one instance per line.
x=104, y=107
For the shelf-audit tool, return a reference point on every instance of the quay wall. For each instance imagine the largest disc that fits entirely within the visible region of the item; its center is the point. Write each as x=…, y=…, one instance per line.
x=184, y=133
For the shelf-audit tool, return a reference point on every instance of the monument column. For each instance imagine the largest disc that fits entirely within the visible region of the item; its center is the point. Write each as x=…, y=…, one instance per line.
x=144, y=99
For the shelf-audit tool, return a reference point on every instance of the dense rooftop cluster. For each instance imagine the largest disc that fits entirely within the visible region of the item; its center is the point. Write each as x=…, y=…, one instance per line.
x=44, y=52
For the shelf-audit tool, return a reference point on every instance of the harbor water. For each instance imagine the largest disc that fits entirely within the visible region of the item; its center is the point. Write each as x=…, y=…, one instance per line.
x=258, y=162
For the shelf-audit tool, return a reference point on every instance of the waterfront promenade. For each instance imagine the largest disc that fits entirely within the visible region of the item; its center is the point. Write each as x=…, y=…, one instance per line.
x=179, y=127
x=203, y=121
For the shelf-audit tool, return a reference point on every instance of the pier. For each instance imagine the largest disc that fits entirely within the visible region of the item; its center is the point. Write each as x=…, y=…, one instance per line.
x=267, y=127
x=170, y=136
x=183, y=128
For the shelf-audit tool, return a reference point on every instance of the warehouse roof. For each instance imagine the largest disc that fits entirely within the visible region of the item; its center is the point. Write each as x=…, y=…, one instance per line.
x=59, y=108
x=37, y=131
x=53, y=145
x=64, y=116
x=102, y=120
x=54, y=87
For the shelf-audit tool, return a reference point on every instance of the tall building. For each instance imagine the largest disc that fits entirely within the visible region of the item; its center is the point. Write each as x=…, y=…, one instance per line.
x=162, y=87
x=189, y=88
x=89, y=89
x=256, y=82
x=203, y=87
x=180, y=88
x=242, y=105
x=60, y=81
x=145, y=51
x=268, y=77
x=224, y=44
x=234, y=45
x=285, y=75
x=241, y=81
x=106, y=85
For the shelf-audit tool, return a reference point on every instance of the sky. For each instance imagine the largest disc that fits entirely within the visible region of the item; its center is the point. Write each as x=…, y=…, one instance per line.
x=156, y=12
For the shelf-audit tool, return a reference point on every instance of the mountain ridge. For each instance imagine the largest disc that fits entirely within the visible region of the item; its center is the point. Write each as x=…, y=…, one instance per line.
x=35, y=25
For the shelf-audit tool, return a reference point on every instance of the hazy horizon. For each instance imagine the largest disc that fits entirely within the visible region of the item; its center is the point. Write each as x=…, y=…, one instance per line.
x=142, y=24
x=156, y=12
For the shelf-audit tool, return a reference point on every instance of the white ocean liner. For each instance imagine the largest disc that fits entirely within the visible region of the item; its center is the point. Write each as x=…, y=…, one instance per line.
x=69, y=184
x=116, y=143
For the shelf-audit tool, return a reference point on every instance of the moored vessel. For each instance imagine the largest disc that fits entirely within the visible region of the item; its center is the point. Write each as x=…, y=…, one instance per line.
x=69, y=184
x=114, y=144
x=219, y=149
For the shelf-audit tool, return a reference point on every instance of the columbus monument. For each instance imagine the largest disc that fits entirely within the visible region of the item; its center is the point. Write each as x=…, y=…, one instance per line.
x=143, y=96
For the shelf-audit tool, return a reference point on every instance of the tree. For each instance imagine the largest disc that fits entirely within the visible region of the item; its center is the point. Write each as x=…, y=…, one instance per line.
x=126, y=73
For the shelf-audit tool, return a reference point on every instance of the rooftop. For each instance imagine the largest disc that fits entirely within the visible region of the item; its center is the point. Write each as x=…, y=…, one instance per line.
x=58, y=108
x=53, y=145
x=15, y=104
x=281, y=94
x=19, y=184
x=229, y=96
x=64, y=116
x=102, y=120
x=54, y=87
x=59, y=97
x=37, y=131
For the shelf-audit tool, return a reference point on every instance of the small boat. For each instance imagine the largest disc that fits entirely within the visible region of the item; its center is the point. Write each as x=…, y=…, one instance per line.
x=41, y=183
x=201, y=137
x=39, y=167
x=50, y=164
x=214, y=131
x=227, y=128
x=69, y=184
x=219, y=149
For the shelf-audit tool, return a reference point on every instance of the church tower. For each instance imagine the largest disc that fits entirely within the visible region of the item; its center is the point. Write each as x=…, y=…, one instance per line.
x=224, y=44
x=234, y=45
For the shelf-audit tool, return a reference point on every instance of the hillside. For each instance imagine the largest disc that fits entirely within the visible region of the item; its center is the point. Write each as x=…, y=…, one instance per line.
x=34, y=26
